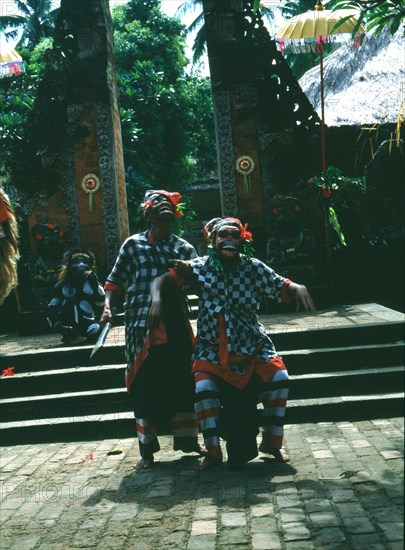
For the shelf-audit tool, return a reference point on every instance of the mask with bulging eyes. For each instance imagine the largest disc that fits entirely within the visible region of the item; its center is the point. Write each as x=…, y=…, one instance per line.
x=228, y=242
x=162, y=208
x=80, y=265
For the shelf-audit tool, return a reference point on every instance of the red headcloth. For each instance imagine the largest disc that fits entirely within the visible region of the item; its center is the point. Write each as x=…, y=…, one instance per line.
x=211, y=228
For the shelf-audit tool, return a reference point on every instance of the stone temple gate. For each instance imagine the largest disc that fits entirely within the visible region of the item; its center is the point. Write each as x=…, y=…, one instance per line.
x=267, y=131
x=86, y=203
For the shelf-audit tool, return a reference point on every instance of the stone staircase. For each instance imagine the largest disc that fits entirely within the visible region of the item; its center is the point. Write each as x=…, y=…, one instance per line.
x=338, y=372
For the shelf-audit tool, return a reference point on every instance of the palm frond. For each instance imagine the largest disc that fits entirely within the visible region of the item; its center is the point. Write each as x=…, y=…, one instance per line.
x=196, y=24
x=23, y=7
x=190, y=6
x=199, y=47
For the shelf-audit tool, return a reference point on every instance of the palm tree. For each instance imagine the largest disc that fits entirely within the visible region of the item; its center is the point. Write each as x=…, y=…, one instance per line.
x=36, y=17
x=295, y=7
x=198, y=25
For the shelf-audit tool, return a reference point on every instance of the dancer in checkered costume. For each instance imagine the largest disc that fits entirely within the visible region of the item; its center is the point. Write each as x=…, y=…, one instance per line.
x=235, y=362
x=158, y=362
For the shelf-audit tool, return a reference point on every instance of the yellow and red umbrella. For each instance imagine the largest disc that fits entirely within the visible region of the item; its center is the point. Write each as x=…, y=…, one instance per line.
x=311, y=31
x=11, y=62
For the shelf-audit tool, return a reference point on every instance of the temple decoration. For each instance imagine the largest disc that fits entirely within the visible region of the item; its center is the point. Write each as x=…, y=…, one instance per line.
x=90, y=185
x=245, y=166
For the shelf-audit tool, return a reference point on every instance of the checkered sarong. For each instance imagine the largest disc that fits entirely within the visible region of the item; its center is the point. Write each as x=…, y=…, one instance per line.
x=139, y=262
x=237, y=297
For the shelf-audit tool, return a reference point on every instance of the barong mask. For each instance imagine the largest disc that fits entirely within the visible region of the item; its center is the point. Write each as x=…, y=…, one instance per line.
x=162, y=205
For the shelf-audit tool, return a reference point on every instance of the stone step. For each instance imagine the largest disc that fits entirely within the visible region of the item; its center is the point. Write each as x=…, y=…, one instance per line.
x=303, y=361
x=58, y=359
x=348, y=382
x=79, y=378
x=84, y=377
x=292, y=338
x=120, y=425
x=348, y=408
x=350, y=372
x=67, y=404
x=323, y=335
x=115, y=400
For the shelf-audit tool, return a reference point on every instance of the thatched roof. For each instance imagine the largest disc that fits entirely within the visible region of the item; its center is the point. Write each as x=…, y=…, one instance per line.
x=362, y=86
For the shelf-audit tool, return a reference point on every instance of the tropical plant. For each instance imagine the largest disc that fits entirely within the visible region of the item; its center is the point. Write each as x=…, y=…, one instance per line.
x=166, y=115
x=17, y=100
x=197, y=26
x=340, y=196
x=36, y=18
x=375, y=14
x=150, y=64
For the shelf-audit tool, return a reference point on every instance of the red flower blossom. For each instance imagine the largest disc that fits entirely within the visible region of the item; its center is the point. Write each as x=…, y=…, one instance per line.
x=51, y=226
x=8, y=372
x=326, y=192
x=90, y=457
x=244, y=234
x=39, y=237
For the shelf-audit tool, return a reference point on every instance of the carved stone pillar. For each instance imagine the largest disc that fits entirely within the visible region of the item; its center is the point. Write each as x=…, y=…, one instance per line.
x=93, y=107
x=88, y=200
x=261, y=114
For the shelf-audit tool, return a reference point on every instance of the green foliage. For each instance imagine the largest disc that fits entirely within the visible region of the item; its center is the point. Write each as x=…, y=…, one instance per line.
x=17, y=100
x=166, y=115
x=150, y=65
x=201, y=130
x=341, y=196
x=197, y=26
x=36, y=18
x=376, y=15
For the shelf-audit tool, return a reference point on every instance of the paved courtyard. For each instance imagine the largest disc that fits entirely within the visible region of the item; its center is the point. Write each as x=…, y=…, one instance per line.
x=342, y=489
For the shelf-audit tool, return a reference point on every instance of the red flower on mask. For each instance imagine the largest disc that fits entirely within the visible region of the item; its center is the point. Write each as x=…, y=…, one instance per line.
x=245, y=235
x=173, y=197
x=145, y=206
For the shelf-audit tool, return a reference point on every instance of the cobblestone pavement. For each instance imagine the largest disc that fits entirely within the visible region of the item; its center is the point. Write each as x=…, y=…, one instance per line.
x=343, y=489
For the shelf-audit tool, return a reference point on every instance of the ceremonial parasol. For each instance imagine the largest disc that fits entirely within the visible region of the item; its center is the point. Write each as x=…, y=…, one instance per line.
x=11, y=62
x=312, y=30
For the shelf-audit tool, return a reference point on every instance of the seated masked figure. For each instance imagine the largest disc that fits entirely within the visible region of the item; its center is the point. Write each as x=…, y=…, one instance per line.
x=77, y=299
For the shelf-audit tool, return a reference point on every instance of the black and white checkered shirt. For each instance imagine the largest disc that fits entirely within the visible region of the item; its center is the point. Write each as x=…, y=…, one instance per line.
x=237, y=296
x=139, y=262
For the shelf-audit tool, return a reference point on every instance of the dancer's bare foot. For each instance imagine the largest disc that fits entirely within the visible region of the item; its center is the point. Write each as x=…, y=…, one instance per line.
x=278, y=454
x=199, y=449
x=193, y=448
x=207, y=463
x=144, y=464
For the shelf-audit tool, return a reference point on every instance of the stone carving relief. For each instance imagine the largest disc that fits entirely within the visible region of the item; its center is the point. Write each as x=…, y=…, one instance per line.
x=225, y=151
